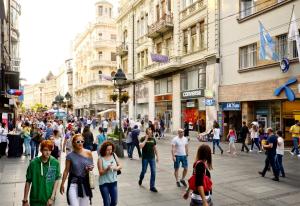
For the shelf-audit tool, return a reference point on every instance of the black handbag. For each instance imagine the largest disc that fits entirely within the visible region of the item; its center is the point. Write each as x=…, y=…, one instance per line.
x=119, y=171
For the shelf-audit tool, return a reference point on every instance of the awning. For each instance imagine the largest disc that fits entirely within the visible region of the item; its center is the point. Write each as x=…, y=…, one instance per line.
x=106, y=111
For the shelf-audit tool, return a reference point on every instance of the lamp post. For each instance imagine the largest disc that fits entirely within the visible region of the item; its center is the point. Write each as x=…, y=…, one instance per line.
x=68, y=98
x=119, y=80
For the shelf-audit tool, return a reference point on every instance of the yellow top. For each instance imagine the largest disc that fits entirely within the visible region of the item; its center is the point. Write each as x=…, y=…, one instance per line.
x=295, y=130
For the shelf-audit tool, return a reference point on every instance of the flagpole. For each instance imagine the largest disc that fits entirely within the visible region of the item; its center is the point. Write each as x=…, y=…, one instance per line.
x=291, y=17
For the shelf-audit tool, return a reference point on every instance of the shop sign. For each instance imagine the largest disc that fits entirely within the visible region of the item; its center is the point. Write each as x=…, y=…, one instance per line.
x=190, y=104
x=284, y=65
x=288, y=91
x=192, y=94
x=231, y=106
x=210, y=102
x=163, y=98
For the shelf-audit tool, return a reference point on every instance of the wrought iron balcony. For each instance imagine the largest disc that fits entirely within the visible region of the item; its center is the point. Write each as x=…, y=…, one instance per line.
x=164, y=25
x=156, y=68
x=122, y=49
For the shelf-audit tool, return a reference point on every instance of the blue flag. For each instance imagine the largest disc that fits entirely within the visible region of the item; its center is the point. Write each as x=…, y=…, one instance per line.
x=267, y=45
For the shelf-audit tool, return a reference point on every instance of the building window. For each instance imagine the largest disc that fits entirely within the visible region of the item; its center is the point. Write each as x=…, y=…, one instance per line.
x=100, y=55
x=100, y=10
x=109, y=12
x=169, y=45
x=159, y=48
x=193, y=38
x=183, y=4
x=202, y=42
x=142, y=26
x=113, y=57
x=138, y=28
x=113, y=36
x=142, y=60
x=163, y=86
x=285, y=48
x=248, y=56
x=193, y=78
x=169, y=84
x=156, y=87
x=146, y=57
x=100, y=36
x=246, y=8
x=185, y=41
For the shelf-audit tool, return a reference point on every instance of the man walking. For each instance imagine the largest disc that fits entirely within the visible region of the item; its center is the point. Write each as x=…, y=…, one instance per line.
x=135, y=140
x=243, y=133
x=179, y=155
x=295, y=130
x=42, y=178
x=270, y=148
x=148, y=145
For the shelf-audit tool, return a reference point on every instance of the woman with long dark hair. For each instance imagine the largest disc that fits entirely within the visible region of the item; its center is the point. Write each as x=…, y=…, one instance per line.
x=202, y=193
x=88, y=138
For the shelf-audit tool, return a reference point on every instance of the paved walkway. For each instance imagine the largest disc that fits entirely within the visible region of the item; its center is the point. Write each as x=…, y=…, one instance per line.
x=236, y=181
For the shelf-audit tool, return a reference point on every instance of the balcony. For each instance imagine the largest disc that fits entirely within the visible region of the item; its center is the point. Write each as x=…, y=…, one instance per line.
x=122, y=49
x=93, y=83
x=162, y=26
x=191, y=9
x=101, y=63
x=99, y=44
x=157, y=69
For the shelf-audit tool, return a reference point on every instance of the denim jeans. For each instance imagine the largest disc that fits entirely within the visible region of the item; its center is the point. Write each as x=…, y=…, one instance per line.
x=27, y=146
x=34, y=148
x=129, y=149
x=216, y=142
x=256, y=142
x=200, y=202
x=109, y=192
x=145, y=163
x=270, y=160
x=137, y=147
x=279, y=164
x=295, y=143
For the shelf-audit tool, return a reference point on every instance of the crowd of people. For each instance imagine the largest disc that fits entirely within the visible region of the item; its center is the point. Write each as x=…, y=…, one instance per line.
x=74, y=137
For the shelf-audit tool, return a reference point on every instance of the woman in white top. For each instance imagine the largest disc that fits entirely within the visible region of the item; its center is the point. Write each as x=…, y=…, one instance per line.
x=280, y=153
x=216, y=137
x=3, y=139
x=254, y=137
x=57, y=141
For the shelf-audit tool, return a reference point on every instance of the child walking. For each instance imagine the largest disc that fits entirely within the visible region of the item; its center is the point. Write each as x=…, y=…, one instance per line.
x=280, y=153
x=232, y=138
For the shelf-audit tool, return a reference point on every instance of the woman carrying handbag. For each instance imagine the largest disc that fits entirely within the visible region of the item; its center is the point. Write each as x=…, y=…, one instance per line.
x=109, y=167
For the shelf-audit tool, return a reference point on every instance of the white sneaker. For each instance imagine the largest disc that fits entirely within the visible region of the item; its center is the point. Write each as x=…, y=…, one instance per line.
x=298, y=155
x=259, y=151
x=251, y=150
x=292, y=153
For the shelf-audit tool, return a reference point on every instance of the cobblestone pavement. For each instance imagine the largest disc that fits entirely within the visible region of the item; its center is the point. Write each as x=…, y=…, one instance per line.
x=236, y=181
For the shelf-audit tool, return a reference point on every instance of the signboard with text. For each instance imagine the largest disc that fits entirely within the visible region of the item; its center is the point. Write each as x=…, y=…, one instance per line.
x=192, y=94
x=231, y=106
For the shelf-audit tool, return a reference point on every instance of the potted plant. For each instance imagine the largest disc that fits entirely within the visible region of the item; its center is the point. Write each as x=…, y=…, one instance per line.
x=113, y=97
x=125, y=97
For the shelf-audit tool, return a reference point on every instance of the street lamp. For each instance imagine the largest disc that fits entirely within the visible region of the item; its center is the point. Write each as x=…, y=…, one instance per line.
x=68, y=98
x=59, y=99
x=119, y=81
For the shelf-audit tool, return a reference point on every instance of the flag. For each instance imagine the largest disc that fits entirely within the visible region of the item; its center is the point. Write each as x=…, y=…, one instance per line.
x=293, y=34
x=267, y=45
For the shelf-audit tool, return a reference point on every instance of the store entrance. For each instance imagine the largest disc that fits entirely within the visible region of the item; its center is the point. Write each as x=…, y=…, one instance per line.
x=290, y=113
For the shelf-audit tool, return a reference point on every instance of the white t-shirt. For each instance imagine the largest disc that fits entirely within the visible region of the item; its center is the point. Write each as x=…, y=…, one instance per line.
x=61, y=130
x=58, y=143
x=89, y=121
x=216, y=132
x=105, y=124
x=280, y=146
x=179, y=144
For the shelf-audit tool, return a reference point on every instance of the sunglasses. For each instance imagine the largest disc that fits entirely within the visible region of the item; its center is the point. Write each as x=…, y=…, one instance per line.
x=79, y=142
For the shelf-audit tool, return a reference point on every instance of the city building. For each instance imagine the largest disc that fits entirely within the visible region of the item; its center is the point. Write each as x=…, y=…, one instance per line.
x=95, y=63
x=10, y=11
x=248, y=84
x=170, y=50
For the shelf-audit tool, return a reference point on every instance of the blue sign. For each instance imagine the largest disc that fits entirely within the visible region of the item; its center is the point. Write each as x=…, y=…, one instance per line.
x=159, y=58
x=231, y=106
x=284, y=65
x=288, y=91
x=210, y=102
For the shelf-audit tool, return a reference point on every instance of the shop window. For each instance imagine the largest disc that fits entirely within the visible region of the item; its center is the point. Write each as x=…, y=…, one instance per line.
x=248, y=56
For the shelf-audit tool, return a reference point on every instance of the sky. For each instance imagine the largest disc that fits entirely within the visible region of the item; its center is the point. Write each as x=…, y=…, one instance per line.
x=47, y=28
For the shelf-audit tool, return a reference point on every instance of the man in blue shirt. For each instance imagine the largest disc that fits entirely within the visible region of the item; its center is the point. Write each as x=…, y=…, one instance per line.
x=49, y=131
x=270, y=148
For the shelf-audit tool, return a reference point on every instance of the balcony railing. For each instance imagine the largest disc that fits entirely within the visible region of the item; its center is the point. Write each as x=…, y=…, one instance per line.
x=191, y=9
x=101, y=63
x=156, y=68
x=163, y=25
x=15, y=64
x=122, y=49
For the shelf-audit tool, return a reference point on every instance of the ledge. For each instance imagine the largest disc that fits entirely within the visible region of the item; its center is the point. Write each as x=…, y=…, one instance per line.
x=267, y=9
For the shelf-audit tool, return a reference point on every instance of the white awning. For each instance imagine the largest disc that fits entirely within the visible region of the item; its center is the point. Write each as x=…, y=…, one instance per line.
x=106, y=111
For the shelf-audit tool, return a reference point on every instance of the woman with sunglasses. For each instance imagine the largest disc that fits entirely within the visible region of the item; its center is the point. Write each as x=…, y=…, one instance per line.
x=78, y=164
x=108, y=165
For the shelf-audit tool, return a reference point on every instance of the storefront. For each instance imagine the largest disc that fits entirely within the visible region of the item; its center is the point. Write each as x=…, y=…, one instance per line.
x=193, y=110
x=230, y=115
x=163, y=109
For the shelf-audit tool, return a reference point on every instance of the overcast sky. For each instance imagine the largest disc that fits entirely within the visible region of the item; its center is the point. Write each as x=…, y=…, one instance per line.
x=47, y=28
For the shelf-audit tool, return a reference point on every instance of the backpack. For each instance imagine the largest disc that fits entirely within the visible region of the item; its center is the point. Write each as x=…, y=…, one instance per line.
x=207, y=183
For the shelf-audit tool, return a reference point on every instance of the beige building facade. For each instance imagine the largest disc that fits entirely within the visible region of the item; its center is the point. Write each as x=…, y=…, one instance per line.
x=170, y=50
x=95, y=62
x=248, y=84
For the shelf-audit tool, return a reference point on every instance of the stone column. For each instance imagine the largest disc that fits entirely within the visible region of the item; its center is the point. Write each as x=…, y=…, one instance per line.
x=176, y=104
x=151, y=100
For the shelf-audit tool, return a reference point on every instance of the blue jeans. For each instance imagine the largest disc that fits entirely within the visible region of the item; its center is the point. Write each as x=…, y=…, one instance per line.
x=270, y=160
x=109, y=193
x=27, y=146
x=256, y=142
x=279, y=164
x=296, y=143
x=217, y=142
x=145, y=163
x=34, y=148
x=130, y=149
